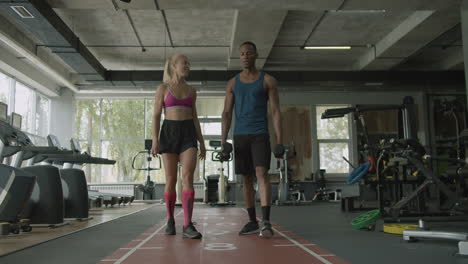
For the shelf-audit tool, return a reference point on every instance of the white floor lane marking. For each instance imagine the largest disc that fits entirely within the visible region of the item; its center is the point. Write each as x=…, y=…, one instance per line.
x=139, y=246
x=131, y=251
x=299, y=245
x=319, y=257
x=293, y=245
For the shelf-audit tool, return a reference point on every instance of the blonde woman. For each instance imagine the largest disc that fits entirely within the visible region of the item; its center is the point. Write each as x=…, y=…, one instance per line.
x=178, y=139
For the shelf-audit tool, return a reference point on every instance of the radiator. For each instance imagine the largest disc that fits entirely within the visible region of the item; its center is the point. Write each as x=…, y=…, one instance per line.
x=116, y=189
x=129, y=189
x=199, y=191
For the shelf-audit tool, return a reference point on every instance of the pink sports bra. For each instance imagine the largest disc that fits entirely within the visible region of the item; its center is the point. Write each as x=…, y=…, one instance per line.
x=173, y=102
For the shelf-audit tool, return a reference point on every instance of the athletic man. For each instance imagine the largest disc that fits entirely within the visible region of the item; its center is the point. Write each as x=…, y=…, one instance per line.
x=248, y=95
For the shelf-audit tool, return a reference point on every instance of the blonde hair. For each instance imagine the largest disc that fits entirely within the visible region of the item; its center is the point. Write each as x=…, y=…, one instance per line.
x=168, y=67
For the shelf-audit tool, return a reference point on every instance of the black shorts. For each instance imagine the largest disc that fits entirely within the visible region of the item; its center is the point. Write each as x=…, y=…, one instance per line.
x=177, y=136
x=251, y=151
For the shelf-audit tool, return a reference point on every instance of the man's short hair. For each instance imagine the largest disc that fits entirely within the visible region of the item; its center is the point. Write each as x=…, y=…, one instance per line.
x=251, y=44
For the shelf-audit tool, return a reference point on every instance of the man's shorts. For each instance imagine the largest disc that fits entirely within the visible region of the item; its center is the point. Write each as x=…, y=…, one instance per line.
x=251, y=151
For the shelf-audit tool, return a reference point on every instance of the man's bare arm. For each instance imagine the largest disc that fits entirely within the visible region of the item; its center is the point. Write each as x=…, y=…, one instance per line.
x=273, y=98
x=227, y=112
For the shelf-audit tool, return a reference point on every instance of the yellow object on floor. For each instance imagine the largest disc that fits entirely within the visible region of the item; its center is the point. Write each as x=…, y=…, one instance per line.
x=398, y=228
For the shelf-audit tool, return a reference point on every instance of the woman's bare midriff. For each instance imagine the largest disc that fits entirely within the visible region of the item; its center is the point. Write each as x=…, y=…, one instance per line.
x=178, y=114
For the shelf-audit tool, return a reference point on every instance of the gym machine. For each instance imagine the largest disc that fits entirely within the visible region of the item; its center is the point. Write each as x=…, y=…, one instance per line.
x=148, y=187
x=218, y=183
x=287, y=193
x=16, y=185
x=459, y=174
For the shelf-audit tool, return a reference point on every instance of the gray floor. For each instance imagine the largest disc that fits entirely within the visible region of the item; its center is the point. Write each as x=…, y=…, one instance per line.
x=90, y=245
x=324, y=224
x=321, y=223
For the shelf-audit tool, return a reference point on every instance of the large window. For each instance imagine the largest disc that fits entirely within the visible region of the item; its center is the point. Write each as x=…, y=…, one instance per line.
x=333, y=140
x=87, y=119
x=5, y=87
x=210, y=107
x=24, y=105
x=210, y=167
x=31, y=105
x=123, y=119
x=149, y=118
x=42, y=115
x=116, y=129
x=209, y=110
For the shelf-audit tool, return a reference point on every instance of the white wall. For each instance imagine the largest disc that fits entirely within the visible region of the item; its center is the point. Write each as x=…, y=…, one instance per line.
x=62, y=117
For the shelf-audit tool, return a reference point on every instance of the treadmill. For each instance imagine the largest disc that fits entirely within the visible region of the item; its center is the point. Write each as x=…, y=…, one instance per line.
x=73, y=181
x=84, y=158
x=76, y=147
x=45, y=206
x=16, y=185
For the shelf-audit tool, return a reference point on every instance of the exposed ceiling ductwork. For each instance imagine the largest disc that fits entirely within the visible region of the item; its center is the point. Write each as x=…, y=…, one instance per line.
x=41, y=21
x=114, y=53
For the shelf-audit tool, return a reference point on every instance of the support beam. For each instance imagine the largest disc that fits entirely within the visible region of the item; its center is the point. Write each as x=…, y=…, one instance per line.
x=464, y=20
x=304, y=5
x=453, y=60
x=27, y=73
x=413, y=34
x=369, y=60
x=448, y=77
x=260, y=27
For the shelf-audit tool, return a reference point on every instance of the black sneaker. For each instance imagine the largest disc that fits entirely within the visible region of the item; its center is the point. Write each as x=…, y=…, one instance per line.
x=191, y=232
x=170, y=228
x=250, y=228
x=266, y=231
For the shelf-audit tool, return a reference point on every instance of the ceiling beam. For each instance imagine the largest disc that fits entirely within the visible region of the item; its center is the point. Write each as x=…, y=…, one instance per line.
x=370, y=59
x=452, y=77
x=305, y=5
x=258, y=26
x=453, y=60
x=412, y=35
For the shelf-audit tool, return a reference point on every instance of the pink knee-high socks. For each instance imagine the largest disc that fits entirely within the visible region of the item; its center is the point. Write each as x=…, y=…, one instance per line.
x=187, y=204
x=188, y=198
x=170, y=204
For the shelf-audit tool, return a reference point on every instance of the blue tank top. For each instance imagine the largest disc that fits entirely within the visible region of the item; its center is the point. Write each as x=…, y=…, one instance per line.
x=250, y=104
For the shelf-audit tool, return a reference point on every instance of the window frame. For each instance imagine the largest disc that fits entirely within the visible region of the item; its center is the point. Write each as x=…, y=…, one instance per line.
x=334, y=177
x=147, y=102
x=12, y=89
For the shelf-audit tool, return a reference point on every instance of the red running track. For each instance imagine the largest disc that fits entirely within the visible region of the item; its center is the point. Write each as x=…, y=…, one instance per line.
x=220, y=244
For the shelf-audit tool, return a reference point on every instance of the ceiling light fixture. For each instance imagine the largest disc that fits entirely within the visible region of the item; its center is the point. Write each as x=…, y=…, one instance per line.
x=327, y=47
x=377, y=11
x=22, y=11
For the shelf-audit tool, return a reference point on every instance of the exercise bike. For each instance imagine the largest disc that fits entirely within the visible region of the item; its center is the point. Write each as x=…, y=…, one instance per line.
x=288, y=193
x=148, y=187
x=219, y=181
